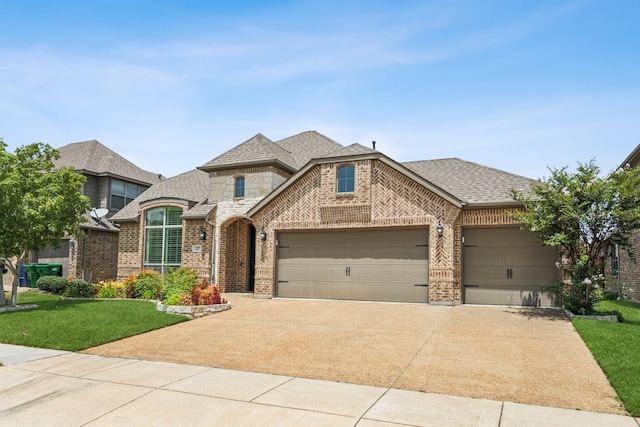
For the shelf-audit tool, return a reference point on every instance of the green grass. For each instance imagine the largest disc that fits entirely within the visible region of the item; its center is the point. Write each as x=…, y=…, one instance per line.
x=78, y=324
x=616, y=347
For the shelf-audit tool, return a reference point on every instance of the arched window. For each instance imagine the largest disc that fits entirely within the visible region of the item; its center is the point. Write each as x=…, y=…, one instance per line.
x=239, y=187
x=163, y=238
x=346, y=179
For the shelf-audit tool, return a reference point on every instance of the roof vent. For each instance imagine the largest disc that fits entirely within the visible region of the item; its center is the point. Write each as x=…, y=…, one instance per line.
x=374, y=144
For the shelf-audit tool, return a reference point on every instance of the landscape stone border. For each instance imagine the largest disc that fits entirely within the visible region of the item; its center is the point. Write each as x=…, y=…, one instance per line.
x=606, y=318
x=193, y=311
x=9, y=308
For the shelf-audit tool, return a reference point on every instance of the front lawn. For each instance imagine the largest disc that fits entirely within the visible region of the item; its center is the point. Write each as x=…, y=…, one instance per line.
x=78, y=324
x=616, y=347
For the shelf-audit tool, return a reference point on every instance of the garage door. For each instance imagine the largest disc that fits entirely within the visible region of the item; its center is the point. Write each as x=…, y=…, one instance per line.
x=507, y=266
x=373, y=265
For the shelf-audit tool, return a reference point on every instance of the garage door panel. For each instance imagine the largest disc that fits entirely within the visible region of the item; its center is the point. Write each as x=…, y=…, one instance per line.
x=373, y=265
x=507, y=295
x=507, y=266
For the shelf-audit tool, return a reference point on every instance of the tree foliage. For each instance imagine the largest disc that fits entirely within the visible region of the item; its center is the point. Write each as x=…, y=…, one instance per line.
x=583, y=213
x=38, y=203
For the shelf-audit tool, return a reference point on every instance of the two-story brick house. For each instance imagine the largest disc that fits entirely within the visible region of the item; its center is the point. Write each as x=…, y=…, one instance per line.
x=308, y=217
x=111, y=183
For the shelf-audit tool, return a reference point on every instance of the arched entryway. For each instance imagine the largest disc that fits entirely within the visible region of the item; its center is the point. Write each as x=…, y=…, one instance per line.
x=237, y=255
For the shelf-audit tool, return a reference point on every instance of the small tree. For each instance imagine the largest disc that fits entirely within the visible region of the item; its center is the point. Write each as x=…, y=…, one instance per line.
x=582, y=213
x=38, y=204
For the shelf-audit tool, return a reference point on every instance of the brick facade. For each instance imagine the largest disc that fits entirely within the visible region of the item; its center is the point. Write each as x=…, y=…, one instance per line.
x=196, y=253
x=628, y=279
x=384, y=197
x=94, y=257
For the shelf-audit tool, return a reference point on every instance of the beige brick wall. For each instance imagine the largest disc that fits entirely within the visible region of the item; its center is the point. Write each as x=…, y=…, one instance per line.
x=196, y=253
x=259, y=182
x=628, y=280
x=383, y=197
x=95, y=257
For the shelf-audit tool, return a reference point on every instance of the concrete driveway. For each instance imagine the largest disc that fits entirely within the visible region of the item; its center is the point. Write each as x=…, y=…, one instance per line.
x=531, y=356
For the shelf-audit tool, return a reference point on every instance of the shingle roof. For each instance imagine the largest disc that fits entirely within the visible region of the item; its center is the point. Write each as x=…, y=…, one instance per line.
x=351, y=150
x=91, y=157
x=102, y=224
x=258, y=149
x=192, y=186
x=470, y=182
x=308, y=145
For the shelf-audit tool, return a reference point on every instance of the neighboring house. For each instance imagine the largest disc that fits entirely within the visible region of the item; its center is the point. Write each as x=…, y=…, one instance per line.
x=307, y=217
x=628, y=278
x=112, y=183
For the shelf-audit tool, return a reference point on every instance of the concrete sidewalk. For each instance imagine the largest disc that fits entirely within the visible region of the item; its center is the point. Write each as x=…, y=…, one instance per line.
x=49, y=387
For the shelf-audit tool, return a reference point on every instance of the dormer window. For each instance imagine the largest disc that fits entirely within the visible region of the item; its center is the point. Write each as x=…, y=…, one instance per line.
x=346, y=179
x=239, y=187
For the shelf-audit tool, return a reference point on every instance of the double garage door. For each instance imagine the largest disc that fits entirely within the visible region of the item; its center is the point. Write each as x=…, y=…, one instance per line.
x=506, y=266
x=371, y=265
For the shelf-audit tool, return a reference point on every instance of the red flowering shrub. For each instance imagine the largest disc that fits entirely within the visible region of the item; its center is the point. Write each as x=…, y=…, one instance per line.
x=205, y=294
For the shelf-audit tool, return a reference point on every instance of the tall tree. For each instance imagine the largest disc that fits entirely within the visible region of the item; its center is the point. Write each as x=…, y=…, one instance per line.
x=38, y=204
x=582, y=213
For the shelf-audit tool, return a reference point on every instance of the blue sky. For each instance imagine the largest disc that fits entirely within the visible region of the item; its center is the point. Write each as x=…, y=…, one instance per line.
x=515, y=85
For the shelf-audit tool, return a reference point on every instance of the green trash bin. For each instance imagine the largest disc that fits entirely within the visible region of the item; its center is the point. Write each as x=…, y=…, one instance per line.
x=56, y=270
x=47, y=269
x=32, y=275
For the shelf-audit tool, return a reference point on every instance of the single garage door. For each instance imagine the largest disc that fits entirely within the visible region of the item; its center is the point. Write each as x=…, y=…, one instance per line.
x=507, y=266
x=367, y=265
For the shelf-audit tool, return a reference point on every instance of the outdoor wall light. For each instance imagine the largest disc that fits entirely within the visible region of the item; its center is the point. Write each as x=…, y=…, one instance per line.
x=203, y=233
x=439, y=229
x=263, y=234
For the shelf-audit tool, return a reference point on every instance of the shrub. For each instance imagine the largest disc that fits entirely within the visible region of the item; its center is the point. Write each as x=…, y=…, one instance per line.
x=78, y=288
x=203, y=294
x=53, y=284
x=111, y=289
x=147, y=285
x=178, y=282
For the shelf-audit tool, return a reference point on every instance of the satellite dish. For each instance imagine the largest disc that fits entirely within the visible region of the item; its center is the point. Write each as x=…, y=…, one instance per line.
x=99, y=213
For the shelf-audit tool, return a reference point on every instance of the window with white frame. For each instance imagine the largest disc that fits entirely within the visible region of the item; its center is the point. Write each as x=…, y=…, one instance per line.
x=346, y=179
x=163, y=238
x=123, y=193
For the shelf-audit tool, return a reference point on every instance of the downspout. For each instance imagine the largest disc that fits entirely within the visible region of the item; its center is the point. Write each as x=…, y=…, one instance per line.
x=84, y=253
x=212, y=277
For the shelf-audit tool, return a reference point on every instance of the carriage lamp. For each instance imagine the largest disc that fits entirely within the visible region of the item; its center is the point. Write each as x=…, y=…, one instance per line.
x=439, y=229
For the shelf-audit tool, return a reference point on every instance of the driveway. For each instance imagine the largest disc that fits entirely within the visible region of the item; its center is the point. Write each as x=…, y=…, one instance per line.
x=531, y=356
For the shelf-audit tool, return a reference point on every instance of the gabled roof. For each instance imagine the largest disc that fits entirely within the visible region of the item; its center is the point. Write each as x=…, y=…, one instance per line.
x=470, y=182
x=190, y=187
x=308, y=145
x=359, y=153
x=258, y=150
x=93, y=158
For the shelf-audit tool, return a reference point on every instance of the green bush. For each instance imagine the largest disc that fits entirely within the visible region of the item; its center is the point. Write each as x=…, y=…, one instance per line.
x=78, y=288
x=178, y=282
x=53, y=284
x=111, y=289
x=147, y=285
